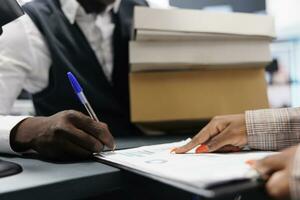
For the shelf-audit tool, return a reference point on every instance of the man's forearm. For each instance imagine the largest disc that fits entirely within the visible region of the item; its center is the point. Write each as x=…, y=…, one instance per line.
x=273, y=129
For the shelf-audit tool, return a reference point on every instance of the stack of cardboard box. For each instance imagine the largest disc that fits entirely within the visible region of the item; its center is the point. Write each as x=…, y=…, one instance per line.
x=190, y=65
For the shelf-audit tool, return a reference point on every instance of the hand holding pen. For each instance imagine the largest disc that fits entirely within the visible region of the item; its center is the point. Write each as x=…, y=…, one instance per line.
x=67, y=135
x=79, y=92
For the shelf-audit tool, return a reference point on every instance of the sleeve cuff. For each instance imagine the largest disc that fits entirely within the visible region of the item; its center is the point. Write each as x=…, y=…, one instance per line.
x=7, y=124
x=295, y=177
x=273, y=129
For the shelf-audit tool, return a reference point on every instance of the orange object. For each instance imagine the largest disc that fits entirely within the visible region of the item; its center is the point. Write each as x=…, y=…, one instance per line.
x=202, y=149
x=250, y=162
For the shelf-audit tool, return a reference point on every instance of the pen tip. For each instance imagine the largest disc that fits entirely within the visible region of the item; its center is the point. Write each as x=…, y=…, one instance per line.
x=114, y=147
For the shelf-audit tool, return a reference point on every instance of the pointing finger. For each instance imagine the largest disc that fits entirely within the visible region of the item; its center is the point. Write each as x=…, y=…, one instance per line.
x=212, y=129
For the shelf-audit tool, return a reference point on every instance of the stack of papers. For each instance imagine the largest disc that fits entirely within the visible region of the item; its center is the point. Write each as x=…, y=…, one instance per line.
x=190, y=170
x=191, y=65
x=191, y=24
x=188, y=39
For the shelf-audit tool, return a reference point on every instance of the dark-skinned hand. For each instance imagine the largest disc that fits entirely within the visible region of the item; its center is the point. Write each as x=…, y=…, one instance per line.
x=277, y=171
x=223, y=134
x=67, y=135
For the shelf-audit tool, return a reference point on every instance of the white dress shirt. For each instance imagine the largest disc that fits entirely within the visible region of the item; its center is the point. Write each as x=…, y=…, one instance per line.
x=25, y=59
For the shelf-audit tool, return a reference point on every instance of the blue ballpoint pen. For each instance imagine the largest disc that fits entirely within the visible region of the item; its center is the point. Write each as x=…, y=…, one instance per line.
x=79, y=92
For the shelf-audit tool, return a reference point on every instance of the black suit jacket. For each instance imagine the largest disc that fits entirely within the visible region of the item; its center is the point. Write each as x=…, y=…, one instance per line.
x=9, y=11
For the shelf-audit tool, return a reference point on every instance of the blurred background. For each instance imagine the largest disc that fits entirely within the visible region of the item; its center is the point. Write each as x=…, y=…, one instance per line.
x=282, y=75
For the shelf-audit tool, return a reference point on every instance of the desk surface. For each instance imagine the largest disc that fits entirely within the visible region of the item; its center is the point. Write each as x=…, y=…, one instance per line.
x=41, y=179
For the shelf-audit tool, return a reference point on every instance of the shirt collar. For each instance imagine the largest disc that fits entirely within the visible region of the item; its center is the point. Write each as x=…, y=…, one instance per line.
x=71, y=9
x=115, y=6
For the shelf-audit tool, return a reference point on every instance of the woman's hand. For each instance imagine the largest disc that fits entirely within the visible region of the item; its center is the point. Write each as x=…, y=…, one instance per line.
x=223, y=133
x=277, y=171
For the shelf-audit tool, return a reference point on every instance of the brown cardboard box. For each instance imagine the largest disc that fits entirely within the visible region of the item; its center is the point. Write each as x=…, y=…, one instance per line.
x=181, y=99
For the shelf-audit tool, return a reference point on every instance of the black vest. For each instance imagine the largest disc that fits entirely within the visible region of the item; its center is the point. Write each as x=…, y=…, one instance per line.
x=70, y=51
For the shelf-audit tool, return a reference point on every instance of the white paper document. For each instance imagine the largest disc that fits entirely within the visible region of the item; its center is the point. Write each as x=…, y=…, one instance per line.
x=197, y=170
